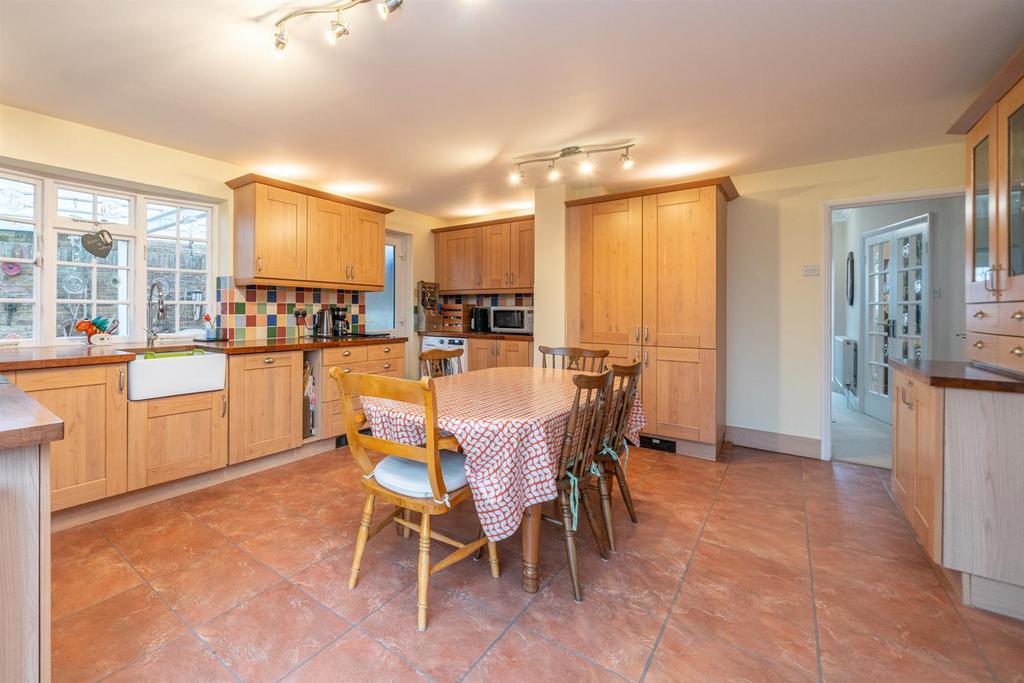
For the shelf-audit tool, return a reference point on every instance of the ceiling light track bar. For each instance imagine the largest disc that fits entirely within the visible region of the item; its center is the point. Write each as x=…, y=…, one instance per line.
x=571, y=152
x=337, y=28
x=517, y=176
x=326, y=9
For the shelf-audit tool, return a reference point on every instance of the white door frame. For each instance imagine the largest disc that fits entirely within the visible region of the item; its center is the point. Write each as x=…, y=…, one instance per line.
x=825, y=289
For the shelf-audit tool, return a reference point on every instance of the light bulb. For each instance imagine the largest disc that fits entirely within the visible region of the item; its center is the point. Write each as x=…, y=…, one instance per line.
x=627, y=161
x=280, y=40
x=386, y=7
x=337, y=31
x=553, y=172
x=587, y=166
x=516, y=176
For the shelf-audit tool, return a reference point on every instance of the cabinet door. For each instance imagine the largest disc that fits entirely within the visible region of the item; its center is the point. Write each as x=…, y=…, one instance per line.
x=1010, y=201
x=327, y=240
x=366, y=248
x=495, y=268
x=611, y=243
x=481, y=354
x=177, y=436
x=982, y=243
x=521, y=255
x=514, y=354
x=679, y=291
x=280, y=233
x=91, y=461
x=928, y=469
x=679, y=393
x=904, y=441
x=265, y=414
x=458, y=259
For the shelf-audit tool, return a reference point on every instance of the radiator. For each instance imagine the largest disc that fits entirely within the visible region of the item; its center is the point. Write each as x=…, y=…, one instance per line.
x=844, y=363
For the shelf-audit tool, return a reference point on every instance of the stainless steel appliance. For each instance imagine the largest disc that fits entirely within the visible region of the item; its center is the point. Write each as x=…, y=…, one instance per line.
x=512, y=319
x=323, y=323
x=448, y=343
x=339, y=321
x=480, y=319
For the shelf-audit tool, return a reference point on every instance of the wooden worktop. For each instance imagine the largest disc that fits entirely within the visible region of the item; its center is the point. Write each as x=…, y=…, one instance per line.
x=960, y=375
x=23, y=421
x=79, y=354
x=480, y=335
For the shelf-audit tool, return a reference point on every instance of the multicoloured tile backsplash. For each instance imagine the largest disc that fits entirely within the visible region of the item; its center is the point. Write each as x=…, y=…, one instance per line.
x=252, y=312
x=488, y=299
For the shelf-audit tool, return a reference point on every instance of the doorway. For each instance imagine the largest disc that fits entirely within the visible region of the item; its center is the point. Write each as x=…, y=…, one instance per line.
x=897, y=293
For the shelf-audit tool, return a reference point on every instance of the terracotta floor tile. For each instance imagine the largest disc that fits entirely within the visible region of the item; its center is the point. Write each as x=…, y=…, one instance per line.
x=1002, y=640
x=87, y=580
x=76, y=543
x=341, y=513
x=521, y=650
x=167, y=542
x=896, y=542
x=294, y=545
x=355, y=657
x=305, y=495
x=248, y=518
x=458, y=632
x=773, y=533
x=274, y=481
x=271, y=634
x=110, y=635
x=184, y=660
x=216, y=499
x=213, y=584
x=472, y=581
x=697, y=656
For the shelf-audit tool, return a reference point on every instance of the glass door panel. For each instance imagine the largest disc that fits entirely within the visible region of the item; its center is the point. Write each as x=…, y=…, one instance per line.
x=1015, y=186
x=982, y=243
x=1010, y=226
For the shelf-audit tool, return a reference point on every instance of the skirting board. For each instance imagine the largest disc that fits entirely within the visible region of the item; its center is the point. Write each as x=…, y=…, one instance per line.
x=65, y=519
x=803, y=446
x=994, y=596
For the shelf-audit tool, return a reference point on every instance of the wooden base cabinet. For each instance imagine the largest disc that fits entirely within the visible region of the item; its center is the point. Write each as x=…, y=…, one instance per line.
x=498, y=353
x=265, y=404
x=381, y=359
x=177, y=436
x=91, y=461
x=676, y=385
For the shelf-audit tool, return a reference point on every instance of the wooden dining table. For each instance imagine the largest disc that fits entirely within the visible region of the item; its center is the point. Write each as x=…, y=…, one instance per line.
x=510, y=423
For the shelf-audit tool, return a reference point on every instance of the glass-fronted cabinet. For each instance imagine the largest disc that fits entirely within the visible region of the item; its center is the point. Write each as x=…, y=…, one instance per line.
x=982, y=242
x=1010, y=133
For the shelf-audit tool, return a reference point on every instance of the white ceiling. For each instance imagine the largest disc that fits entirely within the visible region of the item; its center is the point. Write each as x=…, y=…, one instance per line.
x=427, y=110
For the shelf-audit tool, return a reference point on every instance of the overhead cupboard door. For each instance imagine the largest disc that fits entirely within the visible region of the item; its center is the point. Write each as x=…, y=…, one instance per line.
x=611, y=283
x=281, y=244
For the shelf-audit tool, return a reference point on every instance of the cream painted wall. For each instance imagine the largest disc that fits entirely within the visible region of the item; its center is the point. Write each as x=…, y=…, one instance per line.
x=774, y=312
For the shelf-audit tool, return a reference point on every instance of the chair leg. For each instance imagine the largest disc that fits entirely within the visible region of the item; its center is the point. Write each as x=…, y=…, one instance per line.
x=570, y=545
x=620, y=476
x=364, y=533
x=479, y=551
x=606, y=507
x=407, y=516
x=423, y=573
x=595, y=527
x=492, y=553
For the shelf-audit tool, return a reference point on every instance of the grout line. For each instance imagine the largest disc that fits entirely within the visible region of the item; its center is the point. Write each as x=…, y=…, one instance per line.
x=810, y=577
x=686, y=571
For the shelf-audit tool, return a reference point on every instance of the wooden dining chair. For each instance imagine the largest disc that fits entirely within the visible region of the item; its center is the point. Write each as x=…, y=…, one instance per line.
x=437, y=362
x=429, y=479
x=576, y=468
x=613, y=451
x=573, y=358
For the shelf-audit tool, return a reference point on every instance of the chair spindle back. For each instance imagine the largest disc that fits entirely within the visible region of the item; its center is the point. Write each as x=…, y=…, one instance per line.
x=573, y=358
x=586, y=425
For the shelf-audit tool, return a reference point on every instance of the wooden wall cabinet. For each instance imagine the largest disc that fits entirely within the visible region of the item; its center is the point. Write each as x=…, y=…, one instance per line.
x=176, y=436
x=492, y=257
x=498, y=353
x=91, y=461
x=651, y=284
x=285, y=234
x=265, y=404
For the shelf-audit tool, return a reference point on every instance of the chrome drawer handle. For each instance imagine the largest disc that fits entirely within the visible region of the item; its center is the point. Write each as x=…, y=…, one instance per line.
x=268, y=361
x=346, y=370
x=979, y=344
x=387, y=366
x=346, y=353
x=979, y=314
x=1017, y=351
x=387, y=349
x=1019, y=315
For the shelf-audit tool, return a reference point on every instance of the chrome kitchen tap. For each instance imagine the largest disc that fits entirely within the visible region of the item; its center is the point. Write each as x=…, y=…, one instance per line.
x=161, y=311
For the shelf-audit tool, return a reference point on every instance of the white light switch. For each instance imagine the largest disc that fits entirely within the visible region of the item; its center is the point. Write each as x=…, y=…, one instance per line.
x=810, y=271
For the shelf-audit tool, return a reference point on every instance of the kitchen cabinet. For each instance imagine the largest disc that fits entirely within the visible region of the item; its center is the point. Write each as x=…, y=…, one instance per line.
x=650, y=283
x=917, y=462
x=285, y=234
x=176, y=436
x=498, y=353
x=980, y=218
x=91, y=461
x=375, y=359
x=265, y=404
x=492, y=257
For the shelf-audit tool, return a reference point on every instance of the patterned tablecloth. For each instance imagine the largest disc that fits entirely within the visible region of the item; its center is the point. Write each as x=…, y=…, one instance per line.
x=509, y=422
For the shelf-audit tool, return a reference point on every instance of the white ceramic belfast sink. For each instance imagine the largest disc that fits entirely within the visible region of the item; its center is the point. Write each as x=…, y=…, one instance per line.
x=155, y=374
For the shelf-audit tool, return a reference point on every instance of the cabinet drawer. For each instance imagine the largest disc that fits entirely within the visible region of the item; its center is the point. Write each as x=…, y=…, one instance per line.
x=373, y=367
x=1011, y=353
x=344, y=354
x=281, y=359
x=983, y=348
x=385, y=351
x=1010, y=318
x=983, y=318
x=334, y=420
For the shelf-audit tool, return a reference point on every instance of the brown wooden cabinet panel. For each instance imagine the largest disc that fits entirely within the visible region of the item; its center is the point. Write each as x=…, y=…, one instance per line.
x=366, y=248
x=265, y=393
x=679, y=393
x=980, y=225
x=458, y=260
x=514, y=354
x=327, y=242
x=480, y=354
x=177, y=436
x=521, y=255
x=495, y=270
x=280, y=233
x=91, y=461
x=611, y=282
x=1010, y=194
x=679, y=269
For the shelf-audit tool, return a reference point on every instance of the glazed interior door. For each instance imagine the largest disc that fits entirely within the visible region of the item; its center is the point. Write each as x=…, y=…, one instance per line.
x=896, y=306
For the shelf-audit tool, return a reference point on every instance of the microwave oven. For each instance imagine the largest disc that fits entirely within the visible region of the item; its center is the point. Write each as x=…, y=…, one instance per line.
x=512, y=319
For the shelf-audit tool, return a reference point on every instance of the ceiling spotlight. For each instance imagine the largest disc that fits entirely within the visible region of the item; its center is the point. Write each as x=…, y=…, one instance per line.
x=553, y=172
x=337, y=30
x=516, y=176
x=280, y=40
x=587, y=166
x=387, y=7
x=627, y=161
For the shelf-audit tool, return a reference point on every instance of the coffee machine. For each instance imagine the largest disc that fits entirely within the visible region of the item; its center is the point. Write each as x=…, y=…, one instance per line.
x=427, y=298
x=340, y=326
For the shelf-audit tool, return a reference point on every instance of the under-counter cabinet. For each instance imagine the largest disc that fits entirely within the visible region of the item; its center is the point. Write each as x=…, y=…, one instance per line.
x=492, y=257
x=265, y=404
x=377, y=359
x=285, y=234
x=176, y=436
x=91, y=461
x=498, y=353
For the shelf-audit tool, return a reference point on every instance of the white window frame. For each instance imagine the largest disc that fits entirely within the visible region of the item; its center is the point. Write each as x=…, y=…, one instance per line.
x=48, y=223
x=402, y=287
x=38, y=274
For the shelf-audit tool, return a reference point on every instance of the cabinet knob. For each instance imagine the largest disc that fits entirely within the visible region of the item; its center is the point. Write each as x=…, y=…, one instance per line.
x=1017, y=351
x=387, y=349
x=346, y=353
x=346, y=370
x=979, y=314
x=979, y=344
x=268, y=361
x=1019, y=315
x=387, y=366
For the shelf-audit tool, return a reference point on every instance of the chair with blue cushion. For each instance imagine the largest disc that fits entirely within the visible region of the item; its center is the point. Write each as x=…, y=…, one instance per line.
x=429, y=479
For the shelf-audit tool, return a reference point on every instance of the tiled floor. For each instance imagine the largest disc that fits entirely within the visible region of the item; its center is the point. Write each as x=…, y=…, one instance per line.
x=762, y=568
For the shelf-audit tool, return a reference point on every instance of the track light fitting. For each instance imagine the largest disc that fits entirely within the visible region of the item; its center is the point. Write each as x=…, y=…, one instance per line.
x=337, y=29
x=586, y=167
